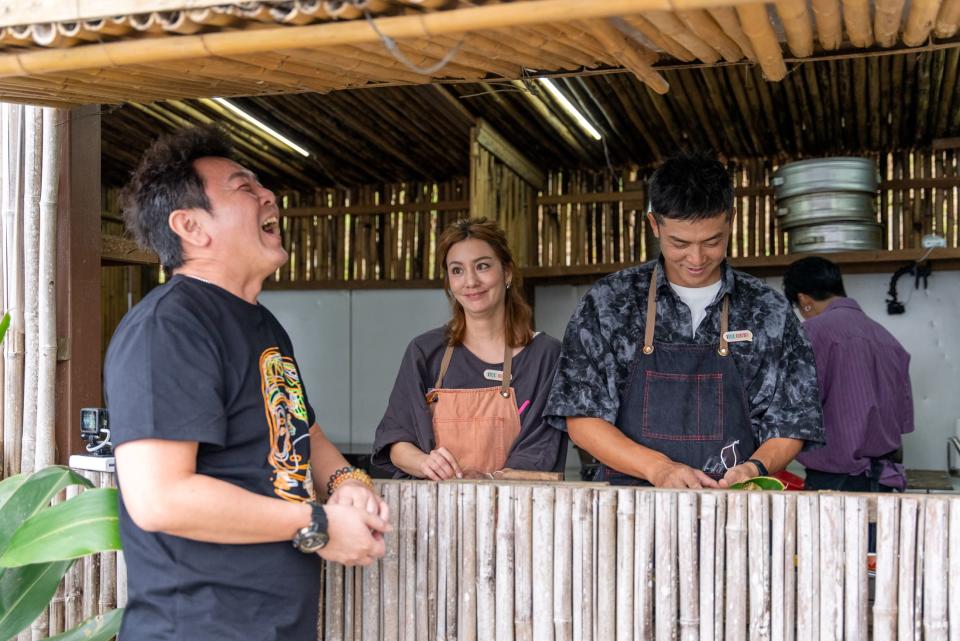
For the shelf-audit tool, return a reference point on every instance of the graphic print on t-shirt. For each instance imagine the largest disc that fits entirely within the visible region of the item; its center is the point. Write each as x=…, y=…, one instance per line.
x=286, y=412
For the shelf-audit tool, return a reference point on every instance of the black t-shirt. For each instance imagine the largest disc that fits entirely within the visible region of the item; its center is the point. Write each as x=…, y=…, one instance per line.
x=193, y=362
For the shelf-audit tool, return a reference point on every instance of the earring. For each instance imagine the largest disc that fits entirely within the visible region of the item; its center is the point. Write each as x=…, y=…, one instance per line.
x=807, y=308
x=508, y=285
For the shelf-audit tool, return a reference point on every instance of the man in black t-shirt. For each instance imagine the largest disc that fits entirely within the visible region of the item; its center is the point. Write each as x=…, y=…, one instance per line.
x=216, y=440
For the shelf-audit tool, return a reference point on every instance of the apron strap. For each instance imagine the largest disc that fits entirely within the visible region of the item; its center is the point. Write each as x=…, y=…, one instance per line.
x=724, y=350
x=444, y=364
x=651, y=313
x=507, y=367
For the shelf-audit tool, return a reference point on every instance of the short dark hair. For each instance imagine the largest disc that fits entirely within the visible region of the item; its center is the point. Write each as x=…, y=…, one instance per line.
x=166, y=180
x=816, y=277
x=691, y=186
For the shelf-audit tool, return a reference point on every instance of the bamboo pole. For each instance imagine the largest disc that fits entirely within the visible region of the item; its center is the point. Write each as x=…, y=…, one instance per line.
x=758, y=566
x=370, y=605
x=33, y=141
x=886, y=21
x=626, y=531
x=856, y=17
x=606, y=608
x=687, y=551
x=350, y=604
x=543, y=509
x=708, y=529
x=736, y=571
x=523, y=570
x=855, y=586
x=756, y=24
x=426, y=514
x=47, y=290
x=653, y=35
x=408, y=554
x=826, y=14
x=907, y=568
x=630, y=54
x=831, y=567
x=486, y=562
x=505, y=564
x=390, y=572
x=563, y=564
x=887, y=573
x=72, y=583
x=936, y=625
x=797, y=25
x=808, y=563
x=706, y=28
x=953, y=589
x=947, y=19
x=728, y=20
x=583, y=566
x=671, y=27
x=920, y=21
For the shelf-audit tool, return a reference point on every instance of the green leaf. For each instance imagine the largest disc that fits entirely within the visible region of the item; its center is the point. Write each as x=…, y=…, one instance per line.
x=25, y=592
x=99, y=628
x=4, y=324
x=9, y=485
x=32, y=495
x=759, y=483
x=84, y=525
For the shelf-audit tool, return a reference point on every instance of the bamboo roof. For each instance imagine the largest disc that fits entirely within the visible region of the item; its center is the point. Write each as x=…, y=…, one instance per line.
x=823, y=107
x=190, y=49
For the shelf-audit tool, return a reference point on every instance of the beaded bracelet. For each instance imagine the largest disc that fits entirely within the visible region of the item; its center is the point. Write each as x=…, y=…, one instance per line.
x=348, y=473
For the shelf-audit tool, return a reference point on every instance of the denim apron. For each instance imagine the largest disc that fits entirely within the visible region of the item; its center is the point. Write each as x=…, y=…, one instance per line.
x=685, y=400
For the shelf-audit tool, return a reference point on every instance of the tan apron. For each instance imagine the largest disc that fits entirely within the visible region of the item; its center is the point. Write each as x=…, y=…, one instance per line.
x=478, y=426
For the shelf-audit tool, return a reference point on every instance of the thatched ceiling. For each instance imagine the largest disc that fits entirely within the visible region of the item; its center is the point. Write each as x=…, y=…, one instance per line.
x=260, y=48
x=399, y=133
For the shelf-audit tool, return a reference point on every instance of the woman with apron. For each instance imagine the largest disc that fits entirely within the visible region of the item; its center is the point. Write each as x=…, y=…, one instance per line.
x=469, y=396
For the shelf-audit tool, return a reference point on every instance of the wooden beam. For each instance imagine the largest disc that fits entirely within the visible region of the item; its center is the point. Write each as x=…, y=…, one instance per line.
x=500, y=147
x=756, y=24
x=364, y=210
x=945, y=143
x=353, y=284
x=327, y=35
x=826, y=13
x=856, y=15
x=797, y=26
x=886, y=22
x=920, y=20
x=24, y=13
x=117, y=250
x=78, y=377
x=947, y=19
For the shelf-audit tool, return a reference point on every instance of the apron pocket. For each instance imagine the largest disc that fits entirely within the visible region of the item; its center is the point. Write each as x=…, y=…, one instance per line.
x=479, y=444
x=683, y=407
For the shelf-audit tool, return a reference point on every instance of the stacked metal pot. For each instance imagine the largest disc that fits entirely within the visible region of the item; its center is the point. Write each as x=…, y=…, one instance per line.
x=828, y=204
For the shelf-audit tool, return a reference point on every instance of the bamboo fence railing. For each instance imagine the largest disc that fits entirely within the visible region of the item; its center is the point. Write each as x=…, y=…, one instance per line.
x=373, y=235
x=31, y=152
x=385, y=236
x=478, y=561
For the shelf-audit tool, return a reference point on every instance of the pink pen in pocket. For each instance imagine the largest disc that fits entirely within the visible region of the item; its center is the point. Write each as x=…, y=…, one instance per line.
x=523, y=406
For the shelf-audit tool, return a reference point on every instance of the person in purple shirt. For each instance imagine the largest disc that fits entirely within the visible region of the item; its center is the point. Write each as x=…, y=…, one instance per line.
x=864, y=380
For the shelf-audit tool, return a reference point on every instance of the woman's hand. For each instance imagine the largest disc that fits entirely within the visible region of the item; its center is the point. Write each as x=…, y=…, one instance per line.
x=440, y=465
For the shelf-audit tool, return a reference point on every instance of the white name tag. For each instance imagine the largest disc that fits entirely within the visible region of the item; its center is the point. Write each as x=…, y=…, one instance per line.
x=738, y=336
x=493, y=375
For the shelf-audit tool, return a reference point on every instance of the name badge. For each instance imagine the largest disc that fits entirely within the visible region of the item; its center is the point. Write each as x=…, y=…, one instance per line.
x=493, y=375
x=738, y=336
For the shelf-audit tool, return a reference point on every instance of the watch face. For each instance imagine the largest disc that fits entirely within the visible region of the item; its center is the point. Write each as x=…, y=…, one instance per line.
x=311, y=541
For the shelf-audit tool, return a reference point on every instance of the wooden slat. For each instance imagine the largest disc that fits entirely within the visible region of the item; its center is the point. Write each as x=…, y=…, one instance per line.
x=117, y=250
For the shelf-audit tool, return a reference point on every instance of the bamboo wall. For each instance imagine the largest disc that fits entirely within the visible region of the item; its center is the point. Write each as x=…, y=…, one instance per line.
x=572, y=561
x=373, y=233
x=480, y=561
x=582, y=219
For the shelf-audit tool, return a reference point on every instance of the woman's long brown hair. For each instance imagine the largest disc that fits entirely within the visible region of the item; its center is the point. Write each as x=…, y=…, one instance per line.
x=519, y=316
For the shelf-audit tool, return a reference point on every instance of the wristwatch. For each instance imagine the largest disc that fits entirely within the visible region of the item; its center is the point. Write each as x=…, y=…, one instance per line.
x=313, y=538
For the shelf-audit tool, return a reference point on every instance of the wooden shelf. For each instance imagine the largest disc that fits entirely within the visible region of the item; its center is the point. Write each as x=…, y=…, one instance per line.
x=858, y=262
x=117, y=250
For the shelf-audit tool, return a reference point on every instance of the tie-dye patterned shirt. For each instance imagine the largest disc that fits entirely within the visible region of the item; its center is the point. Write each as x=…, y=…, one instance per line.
x=606, y=331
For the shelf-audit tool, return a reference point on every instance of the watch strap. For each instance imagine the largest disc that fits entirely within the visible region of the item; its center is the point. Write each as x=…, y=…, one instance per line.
x=761, y=468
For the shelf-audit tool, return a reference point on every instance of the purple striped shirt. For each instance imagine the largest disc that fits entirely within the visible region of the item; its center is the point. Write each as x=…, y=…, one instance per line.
x=864, y=378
